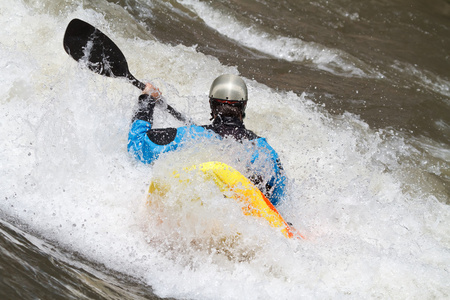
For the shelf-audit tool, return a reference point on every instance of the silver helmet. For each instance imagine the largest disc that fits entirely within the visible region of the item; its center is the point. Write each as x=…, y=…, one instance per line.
x=229, y=87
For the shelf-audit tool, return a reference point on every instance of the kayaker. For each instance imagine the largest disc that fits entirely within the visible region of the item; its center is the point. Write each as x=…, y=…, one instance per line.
x=228, y=99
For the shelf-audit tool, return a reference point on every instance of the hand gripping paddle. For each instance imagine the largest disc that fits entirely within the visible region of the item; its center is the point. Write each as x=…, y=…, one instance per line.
x=85, y=43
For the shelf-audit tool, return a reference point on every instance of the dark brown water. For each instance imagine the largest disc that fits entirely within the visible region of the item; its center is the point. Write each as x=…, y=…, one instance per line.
x=33, y=269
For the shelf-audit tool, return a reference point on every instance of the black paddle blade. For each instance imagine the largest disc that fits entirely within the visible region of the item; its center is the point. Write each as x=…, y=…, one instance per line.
x=87, y=44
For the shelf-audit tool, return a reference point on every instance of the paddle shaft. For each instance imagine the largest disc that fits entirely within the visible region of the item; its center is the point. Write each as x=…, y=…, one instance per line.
x=85, y=43
x=169, y=108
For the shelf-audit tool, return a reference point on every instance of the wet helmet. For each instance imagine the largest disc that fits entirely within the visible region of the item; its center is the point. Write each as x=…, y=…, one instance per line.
x=228, y=89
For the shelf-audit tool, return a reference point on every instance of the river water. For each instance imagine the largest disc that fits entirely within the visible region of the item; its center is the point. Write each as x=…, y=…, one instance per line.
x=354, y=95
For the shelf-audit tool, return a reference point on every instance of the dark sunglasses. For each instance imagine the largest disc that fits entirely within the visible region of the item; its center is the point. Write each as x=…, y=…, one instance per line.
x=229, y=102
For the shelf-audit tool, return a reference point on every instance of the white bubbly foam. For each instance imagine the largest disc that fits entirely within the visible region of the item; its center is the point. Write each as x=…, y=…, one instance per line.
x=66, y=174
x=427, y=80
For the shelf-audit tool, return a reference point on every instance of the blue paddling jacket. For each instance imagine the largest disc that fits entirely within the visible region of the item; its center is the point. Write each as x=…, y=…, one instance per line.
x=147, y=144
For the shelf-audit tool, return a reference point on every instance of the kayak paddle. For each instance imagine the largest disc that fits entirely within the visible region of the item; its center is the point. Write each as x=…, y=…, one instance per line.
x=85, y=43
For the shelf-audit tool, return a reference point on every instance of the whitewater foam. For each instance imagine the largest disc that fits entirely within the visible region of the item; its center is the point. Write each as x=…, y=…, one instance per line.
x=67, y=176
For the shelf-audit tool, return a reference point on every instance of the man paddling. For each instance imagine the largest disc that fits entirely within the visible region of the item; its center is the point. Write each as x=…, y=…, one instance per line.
x=228, y=100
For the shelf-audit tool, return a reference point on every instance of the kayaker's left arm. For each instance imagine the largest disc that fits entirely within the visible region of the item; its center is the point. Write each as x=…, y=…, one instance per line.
x=143, y=141
x=146, y=104
x=147, y=143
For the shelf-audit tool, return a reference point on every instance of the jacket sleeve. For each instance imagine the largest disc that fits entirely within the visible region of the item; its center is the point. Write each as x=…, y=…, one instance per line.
x=146, y=105
x=139, y=143
x=148, y=149
x=145, y=150
x=276, y=184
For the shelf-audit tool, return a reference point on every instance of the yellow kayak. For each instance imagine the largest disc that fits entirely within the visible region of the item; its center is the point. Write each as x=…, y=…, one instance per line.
x=233, y=185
